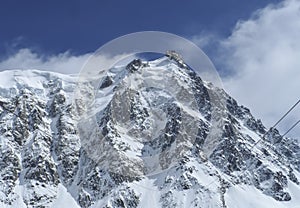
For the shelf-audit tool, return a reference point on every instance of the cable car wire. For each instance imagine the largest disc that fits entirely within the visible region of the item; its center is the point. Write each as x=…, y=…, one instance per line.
x=290, y=129
x=276, y=123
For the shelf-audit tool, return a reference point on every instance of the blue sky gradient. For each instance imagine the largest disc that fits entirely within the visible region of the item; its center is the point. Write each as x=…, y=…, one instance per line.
x=79, y=26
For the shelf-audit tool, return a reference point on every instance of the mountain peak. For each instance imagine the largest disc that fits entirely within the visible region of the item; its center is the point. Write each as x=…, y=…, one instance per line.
x=156, y=135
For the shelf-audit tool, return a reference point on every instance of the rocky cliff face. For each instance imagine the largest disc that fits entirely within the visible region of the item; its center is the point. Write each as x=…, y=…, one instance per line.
x=159, y=137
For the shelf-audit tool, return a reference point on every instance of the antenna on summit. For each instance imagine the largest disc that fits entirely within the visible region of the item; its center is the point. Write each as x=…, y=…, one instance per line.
x=173, y=55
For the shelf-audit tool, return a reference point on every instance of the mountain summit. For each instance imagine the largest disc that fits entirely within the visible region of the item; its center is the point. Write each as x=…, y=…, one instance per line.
x=156, y=135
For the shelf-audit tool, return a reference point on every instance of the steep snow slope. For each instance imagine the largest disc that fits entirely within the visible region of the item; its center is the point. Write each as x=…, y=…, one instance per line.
x=156, y=135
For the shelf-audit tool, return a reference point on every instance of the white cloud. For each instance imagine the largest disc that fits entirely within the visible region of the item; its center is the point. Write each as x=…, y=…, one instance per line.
x=263, y=59
x=204, y=39
x=26, y=59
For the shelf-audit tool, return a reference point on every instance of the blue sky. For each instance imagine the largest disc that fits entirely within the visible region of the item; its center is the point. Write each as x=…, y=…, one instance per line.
x=255, y=44
x=82, y=26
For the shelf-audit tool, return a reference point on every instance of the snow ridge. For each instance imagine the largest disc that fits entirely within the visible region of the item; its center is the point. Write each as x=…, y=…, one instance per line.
x=160, y=137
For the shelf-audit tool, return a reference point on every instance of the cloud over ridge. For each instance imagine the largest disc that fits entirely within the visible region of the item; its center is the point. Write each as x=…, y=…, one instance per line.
x=263, y=58
x=25, y=58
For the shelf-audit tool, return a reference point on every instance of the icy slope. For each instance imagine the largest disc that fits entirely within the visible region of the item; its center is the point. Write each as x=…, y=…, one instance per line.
x=161, y=137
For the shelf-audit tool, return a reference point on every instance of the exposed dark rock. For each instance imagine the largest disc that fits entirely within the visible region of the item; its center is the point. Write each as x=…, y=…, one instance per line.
x=107, y=81
x=134, y=65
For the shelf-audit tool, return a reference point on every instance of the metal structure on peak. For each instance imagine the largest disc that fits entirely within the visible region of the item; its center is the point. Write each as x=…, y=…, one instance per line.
x=173, y=55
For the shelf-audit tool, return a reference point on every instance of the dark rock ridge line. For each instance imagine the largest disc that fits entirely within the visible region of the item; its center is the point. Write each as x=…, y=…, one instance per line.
x=41, y=147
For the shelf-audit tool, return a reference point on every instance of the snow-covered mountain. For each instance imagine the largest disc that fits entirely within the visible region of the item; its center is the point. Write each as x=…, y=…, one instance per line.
x=157, y=135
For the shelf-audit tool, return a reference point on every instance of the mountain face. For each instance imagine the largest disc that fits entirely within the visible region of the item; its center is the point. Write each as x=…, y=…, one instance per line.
x=157, y=135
